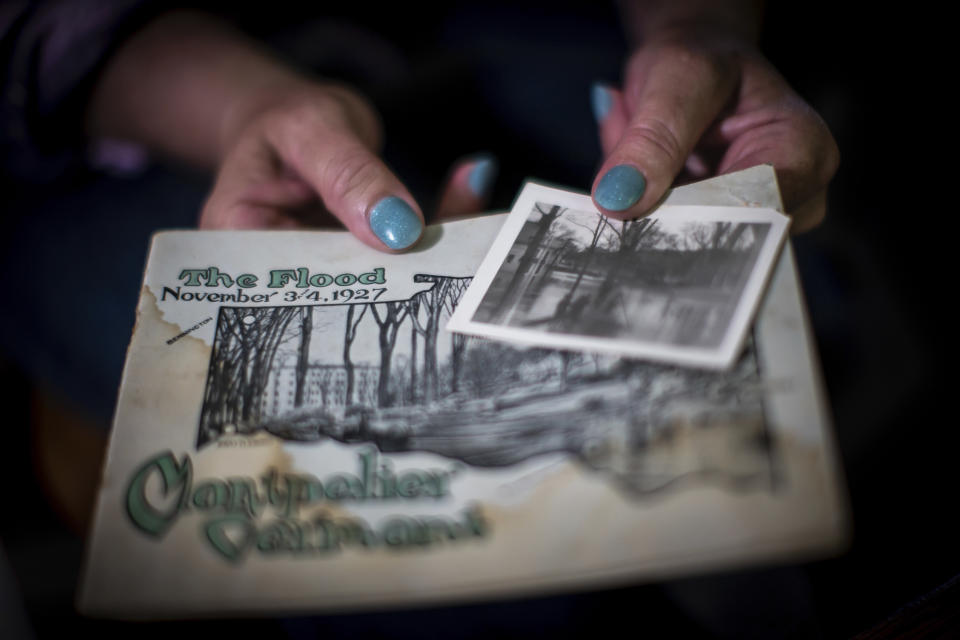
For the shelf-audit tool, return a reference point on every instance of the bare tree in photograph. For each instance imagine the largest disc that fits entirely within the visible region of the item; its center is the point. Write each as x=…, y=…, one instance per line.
x=723, y=250
x=718, y=236
x=389, y=319
x=413, y=310
x=632, y=236
x=512, y=292
x=585, y=258
x=303, y=354
x=458, y=340
x=432, y=303
x=490, y=368
x=241, y=361
x=325, y=384
x=350, y=334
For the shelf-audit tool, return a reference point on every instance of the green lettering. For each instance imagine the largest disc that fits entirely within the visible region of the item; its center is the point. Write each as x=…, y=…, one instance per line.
x=210, y=494
x=409, y=484
x=330, y=538
x=244, y=497
x=352, y=532
x=320, y=280
x=298, y=491
x=192, y=276
x=246, y=280
x=374, y=277
x=280, y=535
x=396, y=532
x=338, y=487
x=368, y=467
x=436, y=484
x=474, y=521
x=280, y=277
x=175, y=479
x=230, y=535
x=302, y=274
x=274, y=496
x=214, y=277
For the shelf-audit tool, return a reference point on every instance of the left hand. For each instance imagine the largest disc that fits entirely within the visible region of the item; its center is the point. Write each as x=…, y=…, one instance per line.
x=703, y=104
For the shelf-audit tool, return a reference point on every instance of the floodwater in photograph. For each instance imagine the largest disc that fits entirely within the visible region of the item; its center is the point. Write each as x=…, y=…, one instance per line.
x=654, y=279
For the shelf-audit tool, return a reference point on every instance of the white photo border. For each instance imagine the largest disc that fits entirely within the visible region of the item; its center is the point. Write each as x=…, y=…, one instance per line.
x=720, y=357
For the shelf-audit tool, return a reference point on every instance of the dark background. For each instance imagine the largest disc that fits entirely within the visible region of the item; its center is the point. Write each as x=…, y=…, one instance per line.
x=874, y=275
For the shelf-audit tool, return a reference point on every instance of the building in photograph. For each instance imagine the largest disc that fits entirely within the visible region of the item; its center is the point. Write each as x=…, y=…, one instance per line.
x=326, y=386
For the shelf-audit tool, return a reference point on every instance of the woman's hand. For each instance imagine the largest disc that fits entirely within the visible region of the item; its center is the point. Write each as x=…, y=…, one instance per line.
x=306, y=145
x=289, y=150
x=701, y=102
x=308, y=154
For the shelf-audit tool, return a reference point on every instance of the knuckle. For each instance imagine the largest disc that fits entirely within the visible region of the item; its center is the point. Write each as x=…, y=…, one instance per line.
x=656, y=135
x=352, y=111
x=217, y=216
x=350, y=174
x=824, y=149
x=300, y=116
x=332, y=109
x=697, y=61
x=810, y=214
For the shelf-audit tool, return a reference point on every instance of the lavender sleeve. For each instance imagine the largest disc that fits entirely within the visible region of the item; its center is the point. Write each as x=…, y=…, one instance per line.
x=50, y=52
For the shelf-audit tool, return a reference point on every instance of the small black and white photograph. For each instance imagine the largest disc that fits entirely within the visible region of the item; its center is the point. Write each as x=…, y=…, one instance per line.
x=683, y=280
x=389, y=374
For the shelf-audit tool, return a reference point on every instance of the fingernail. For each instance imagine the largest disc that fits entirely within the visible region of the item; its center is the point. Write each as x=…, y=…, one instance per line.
x=620, y=188
x=600, y=101
x=395, y=222
x=482, y=175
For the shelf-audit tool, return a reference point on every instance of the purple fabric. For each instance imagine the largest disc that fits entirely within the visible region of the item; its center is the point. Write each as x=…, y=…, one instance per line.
x=49, y=53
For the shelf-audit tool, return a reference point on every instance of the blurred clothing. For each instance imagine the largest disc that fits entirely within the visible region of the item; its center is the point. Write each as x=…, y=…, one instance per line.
x=50, y=52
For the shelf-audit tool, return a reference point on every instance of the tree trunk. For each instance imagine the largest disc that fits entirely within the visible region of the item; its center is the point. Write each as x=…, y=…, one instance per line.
x=512, y=292
x=386, y=355
x=306, y=327
x=394, y=314
x=413, y=364
x=430, y=360
x=459, y=343
x=347, y=364
x=584, y=263
x=245, y=383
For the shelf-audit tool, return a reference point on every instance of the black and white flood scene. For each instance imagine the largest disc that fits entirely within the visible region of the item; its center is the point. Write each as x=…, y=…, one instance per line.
x=658, y=279
x=387, y=373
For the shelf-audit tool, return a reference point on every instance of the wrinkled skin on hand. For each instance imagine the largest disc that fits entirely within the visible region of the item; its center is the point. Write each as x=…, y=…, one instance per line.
x=697, y=104
x=306, y=155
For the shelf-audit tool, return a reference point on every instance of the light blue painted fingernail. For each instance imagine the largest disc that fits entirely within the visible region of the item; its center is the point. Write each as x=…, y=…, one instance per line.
x=601, y=101
x=395, y=222
x=620, y=188
x=482, y=175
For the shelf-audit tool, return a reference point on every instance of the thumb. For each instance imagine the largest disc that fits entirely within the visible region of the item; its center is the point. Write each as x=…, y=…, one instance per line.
x=673, y=94
x=353, y=184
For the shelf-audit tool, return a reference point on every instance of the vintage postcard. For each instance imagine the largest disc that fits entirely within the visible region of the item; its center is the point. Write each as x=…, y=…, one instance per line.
x=678, y=286
x=296, y=431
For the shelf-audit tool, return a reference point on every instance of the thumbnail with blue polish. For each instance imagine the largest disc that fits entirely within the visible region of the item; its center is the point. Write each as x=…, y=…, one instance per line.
x=620, y=188
x=395, y=223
